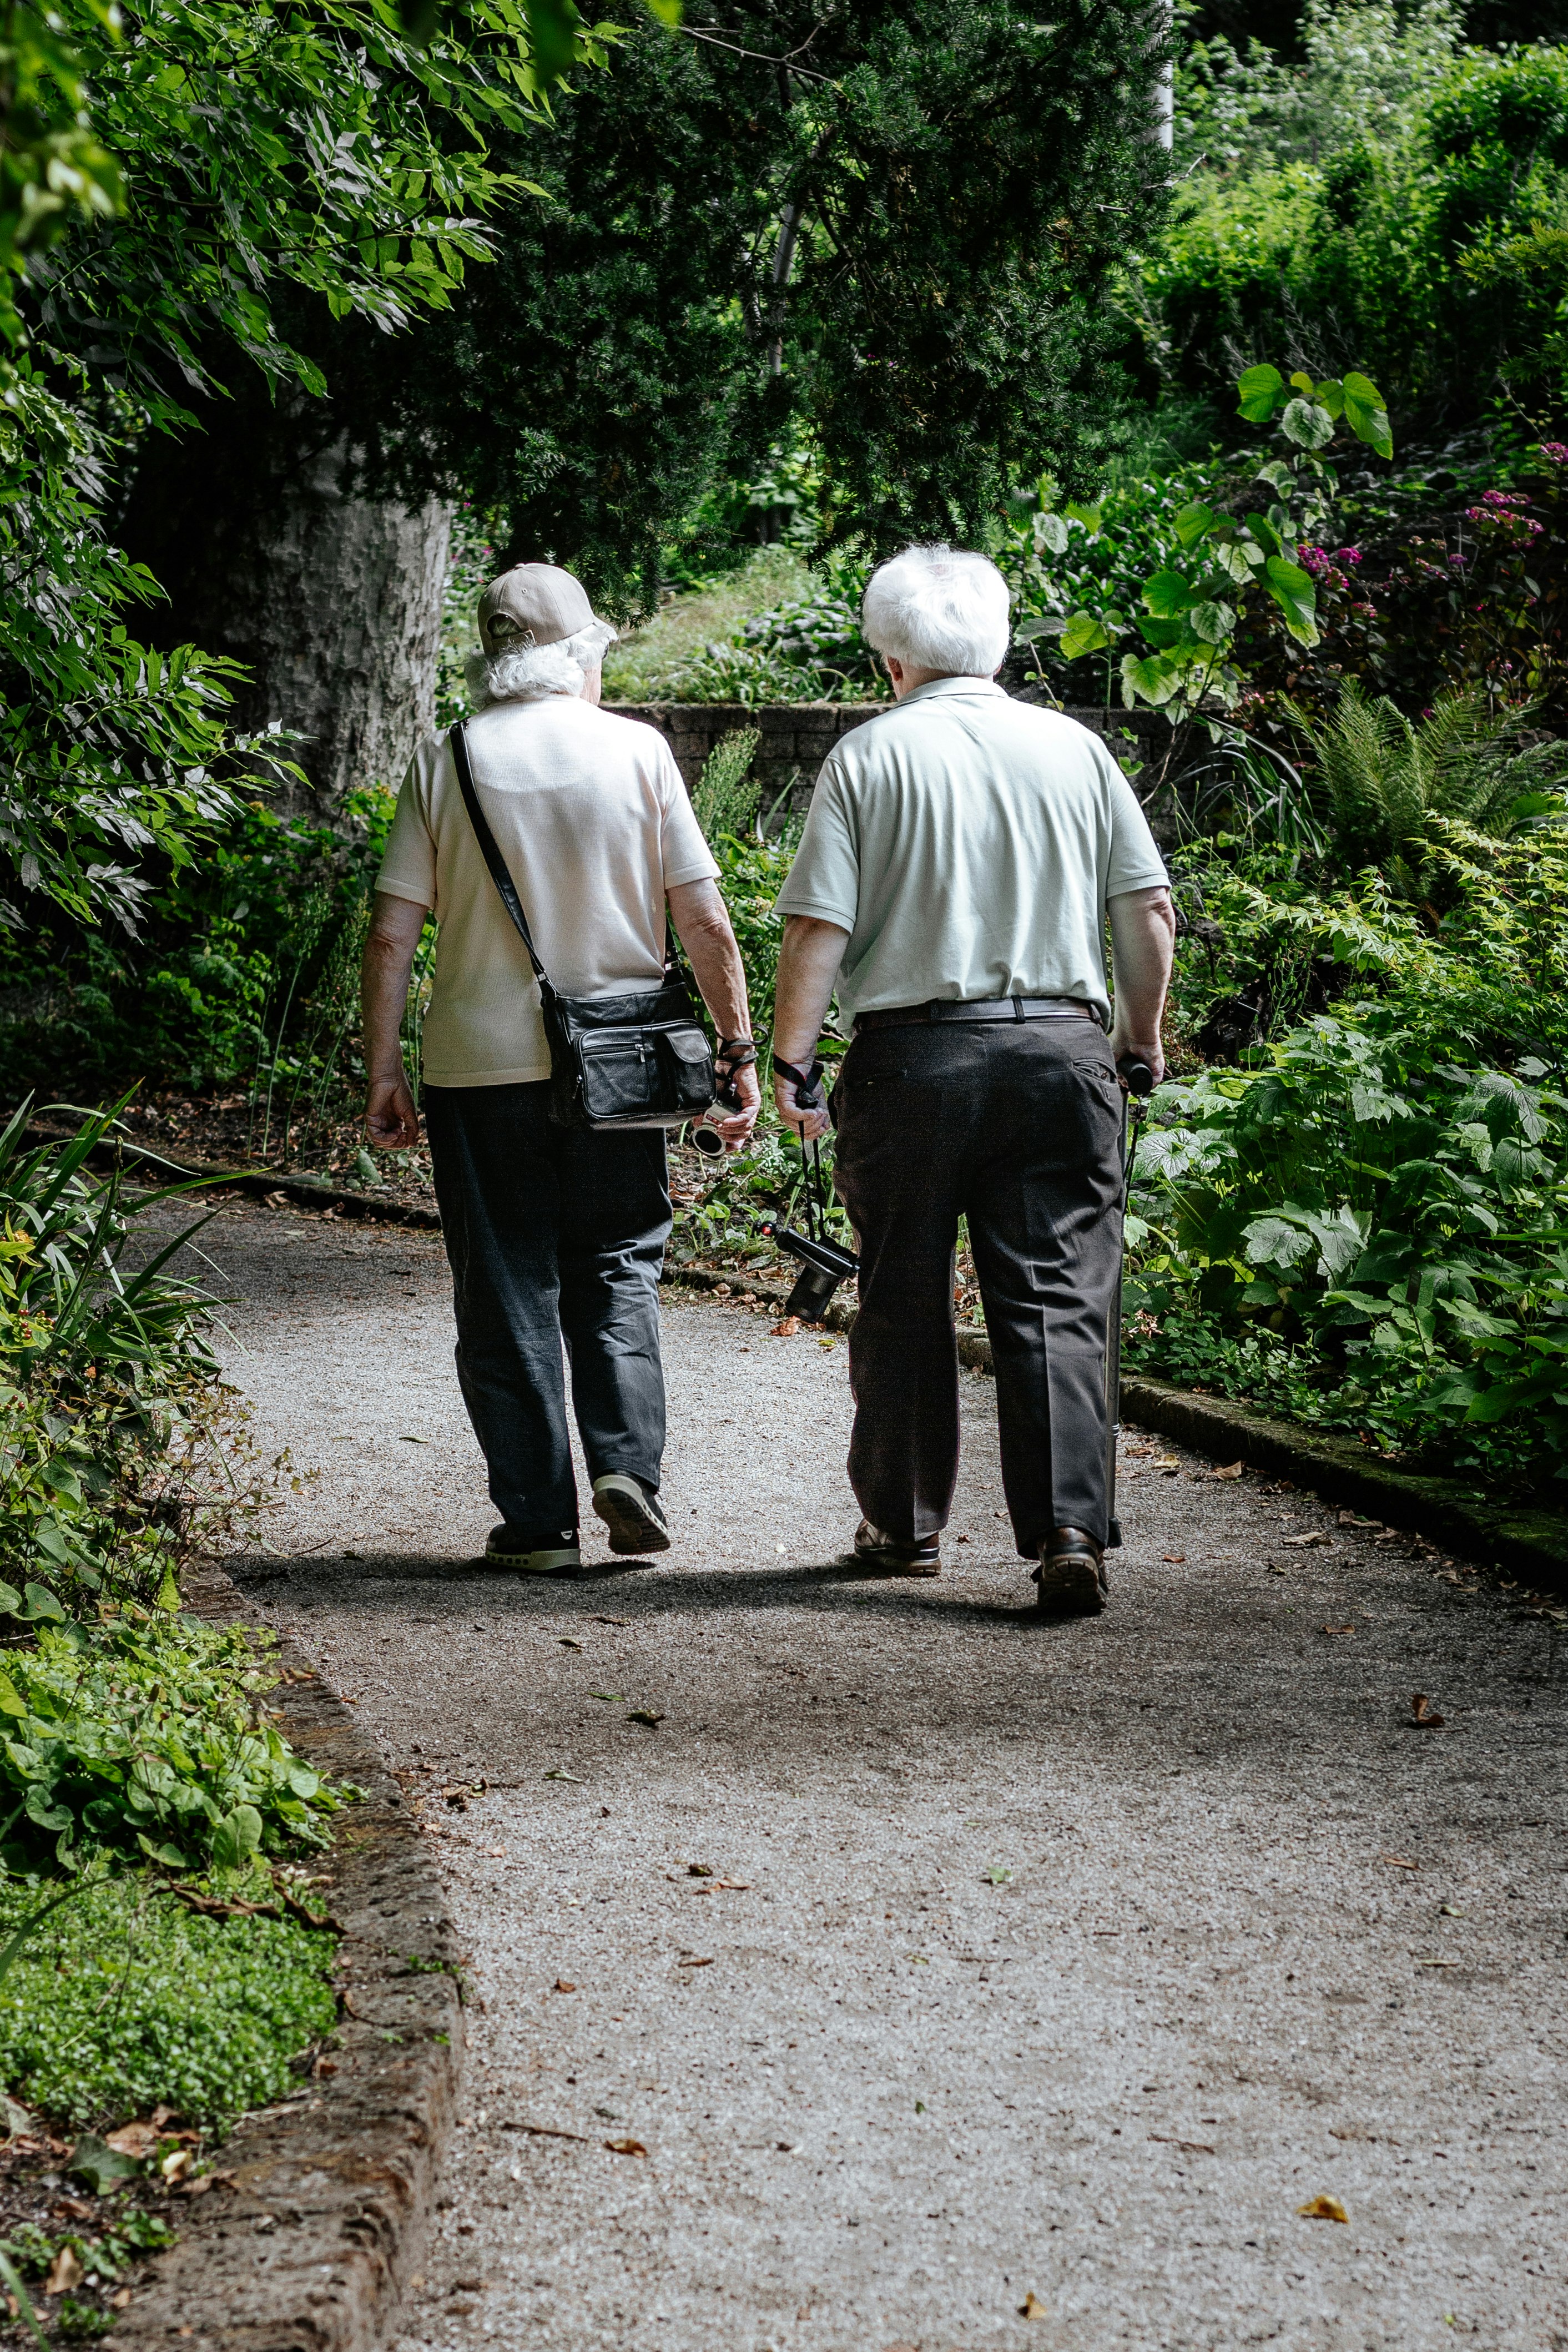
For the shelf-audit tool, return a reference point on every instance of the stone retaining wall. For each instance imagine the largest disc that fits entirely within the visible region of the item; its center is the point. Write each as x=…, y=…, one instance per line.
x=796, y=737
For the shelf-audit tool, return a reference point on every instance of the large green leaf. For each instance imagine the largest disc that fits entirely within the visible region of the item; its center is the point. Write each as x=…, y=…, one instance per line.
x=1167, y=594
x=1262, y=391
x=1365, y=413
x=1082, y=635
x=1153, y=679
x=1308, y=424
x=1191, y=522
x=1293, y=591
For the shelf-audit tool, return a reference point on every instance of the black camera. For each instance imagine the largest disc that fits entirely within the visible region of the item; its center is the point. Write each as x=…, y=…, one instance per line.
x=823, y=1266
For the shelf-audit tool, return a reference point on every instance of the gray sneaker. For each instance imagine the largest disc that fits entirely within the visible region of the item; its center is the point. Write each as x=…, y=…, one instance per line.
x=1071, y=1575
x=533, y=1555
x=630, y=1513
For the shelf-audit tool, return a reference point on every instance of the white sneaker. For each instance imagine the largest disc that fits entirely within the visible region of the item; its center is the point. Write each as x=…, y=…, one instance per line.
x=632, y=1515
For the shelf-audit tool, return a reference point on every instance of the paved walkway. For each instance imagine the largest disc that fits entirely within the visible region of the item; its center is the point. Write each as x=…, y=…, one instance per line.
x=966, y=1981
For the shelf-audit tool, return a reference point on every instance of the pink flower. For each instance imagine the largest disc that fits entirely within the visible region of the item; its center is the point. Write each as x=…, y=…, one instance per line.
x=1556, y=450
x=1348, y=555
x=1504, y=499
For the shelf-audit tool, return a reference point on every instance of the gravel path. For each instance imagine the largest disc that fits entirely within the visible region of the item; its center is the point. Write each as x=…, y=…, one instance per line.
x=946, y=1965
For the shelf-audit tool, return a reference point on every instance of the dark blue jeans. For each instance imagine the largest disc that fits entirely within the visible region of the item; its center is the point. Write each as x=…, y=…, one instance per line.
x=551, y=1233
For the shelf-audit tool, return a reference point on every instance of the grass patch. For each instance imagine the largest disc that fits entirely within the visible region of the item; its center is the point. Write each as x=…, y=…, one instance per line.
x=645, y=665
x=124, y=2000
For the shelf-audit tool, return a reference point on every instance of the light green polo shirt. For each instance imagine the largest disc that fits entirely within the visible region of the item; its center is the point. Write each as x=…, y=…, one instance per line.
x=968, y=844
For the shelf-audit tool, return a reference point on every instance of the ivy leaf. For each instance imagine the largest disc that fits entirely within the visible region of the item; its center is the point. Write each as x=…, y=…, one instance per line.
x=1261, y=389
x=1083, y=634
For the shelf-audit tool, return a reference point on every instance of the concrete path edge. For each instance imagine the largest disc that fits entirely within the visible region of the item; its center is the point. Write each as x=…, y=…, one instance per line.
x=331, y=2191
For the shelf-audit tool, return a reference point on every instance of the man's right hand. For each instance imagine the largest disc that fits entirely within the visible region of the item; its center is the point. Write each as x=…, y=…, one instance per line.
x=1138, y=1049
x=392, y=1122
x=808, y=1124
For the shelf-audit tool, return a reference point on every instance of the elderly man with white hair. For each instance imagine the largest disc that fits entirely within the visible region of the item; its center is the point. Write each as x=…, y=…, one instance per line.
x=552, y=1232
x=953, y=882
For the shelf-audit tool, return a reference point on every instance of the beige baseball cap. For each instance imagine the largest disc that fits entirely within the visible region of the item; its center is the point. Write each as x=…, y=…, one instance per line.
x=532, y=605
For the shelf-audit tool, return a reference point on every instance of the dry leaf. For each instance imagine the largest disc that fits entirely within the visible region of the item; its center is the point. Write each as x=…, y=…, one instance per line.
x=1398, y=1862
x=1349, y=1519
x=685, y=1963
x=1339, y=1629
x=1177, y=1558
x=1031, y=2307
x=625, y=2147
x=563, y=1984
x=1322, y=2209
x=651, y=1715
x=786, y=1328
x=569, y=1642
x=66, y=2273
x=1231, y=1470
x=1187, y=2146
x=1423, y=1716
x=699, y=1869
x=175, y=2167
x=1297, y=1543
x=558, y=1775
x=131, y=2139
x=121, y=2302
x=610, y=1621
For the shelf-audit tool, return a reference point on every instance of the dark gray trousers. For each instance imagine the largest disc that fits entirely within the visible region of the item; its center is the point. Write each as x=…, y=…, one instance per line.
x=551, y=1233
x=1018, y=1127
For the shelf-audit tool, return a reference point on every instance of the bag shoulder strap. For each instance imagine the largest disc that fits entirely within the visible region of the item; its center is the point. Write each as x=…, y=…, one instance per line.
x=500, y=873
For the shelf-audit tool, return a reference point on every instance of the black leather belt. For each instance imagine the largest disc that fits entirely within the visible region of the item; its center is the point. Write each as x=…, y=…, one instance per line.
x=985, y=1008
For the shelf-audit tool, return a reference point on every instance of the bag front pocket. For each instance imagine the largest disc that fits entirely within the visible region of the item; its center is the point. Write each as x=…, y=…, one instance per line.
x=620, y=1074
x=687, y=1068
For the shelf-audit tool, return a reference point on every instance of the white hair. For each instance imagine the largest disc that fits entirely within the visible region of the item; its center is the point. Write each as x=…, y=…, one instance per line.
x=524, y=673
x=939, y=608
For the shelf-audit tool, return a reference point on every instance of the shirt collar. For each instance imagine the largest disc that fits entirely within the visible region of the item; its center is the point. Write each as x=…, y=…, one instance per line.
x=935, y=686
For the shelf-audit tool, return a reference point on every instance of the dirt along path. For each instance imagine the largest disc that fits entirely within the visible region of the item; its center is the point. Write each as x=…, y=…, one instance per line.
x=923, y=1975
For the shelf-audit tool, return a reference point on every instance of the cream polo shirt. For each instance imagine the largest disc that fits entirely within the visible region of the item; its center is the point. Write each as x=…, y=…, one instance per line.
x=968, y=844
x=595, y=825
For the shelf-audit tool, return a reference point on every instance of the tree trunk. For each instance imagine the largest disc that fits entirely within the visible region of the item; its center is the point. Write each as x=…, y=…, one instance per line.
x=332, y=601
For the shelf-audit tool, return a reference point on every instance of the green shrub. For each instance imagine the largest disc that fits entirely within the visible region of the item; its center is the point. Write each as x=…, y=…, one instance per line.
x=143, y=1737
x=124, y=2000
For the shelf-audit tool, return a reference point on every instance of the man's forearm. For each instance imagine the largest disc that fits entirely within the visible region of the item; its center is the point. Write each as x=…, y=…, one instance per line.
x=808, y=963
x=1142, y=942
x=702, y=927
x=389, y=949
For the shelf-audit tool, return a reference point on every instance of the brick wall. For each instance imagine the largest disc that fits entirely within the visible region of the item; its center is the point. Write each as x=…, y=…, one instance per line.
x=798, y=736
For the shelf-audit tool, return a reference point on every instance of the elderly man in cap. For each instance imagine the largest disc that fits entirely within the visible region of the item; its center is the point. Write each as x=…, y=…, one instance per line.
x=552, y=1232
x=961, y=858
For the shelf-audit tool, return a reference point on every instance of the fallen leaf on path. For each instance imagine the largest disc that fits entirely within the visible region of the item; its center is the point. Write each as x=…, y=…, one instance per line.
x=1439, y=1964
x=997, y=1876
x=546, y=2131
x=568, y=1642
x=1398, y=1862
x=175, y=2167
x=648, y=1715
x=66, y=2271
x=1339, y=1629
x=1322, y=2209
x=614, y=1696
x=1188, y=2146
x=1297, y=1543
x=1423, y=1716
x=564, y=1984
x=556, y=1774
x=826, y=1343
x=684, y=1963
x=610, y=1621
x=132, y=2139
x=1176, y=1558
x=625, y=2147
x=1031, y=2307
x=1231, y=1470
x=786, y=1328
x=1349, y=1519
x=699, y=1869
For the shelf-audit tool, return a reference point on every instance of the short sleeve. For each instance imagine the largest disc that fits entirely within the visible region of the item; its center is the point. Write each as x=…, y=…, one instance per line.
x=684, y=853
x=408, y=866
x=1135, y=863
x=825, y=877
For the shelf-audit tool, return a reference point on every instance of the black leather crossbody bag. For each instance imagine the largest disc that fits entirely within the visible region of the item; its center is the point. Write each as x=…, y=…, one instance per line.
x=638, y=1060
